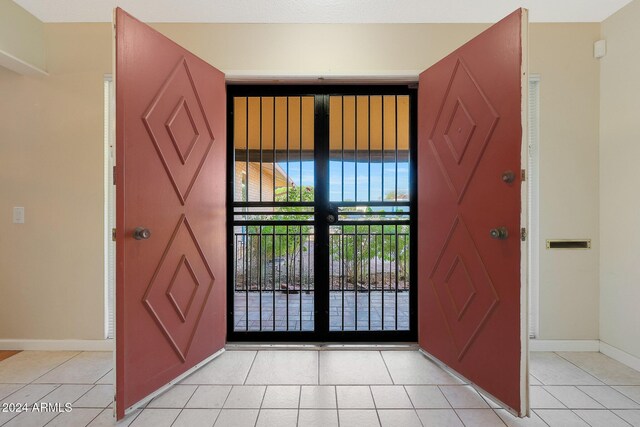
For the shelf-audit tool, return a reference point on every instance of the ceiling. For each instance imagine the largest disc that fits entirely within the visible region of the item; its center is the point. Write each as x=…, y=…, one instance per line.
x=322, y=11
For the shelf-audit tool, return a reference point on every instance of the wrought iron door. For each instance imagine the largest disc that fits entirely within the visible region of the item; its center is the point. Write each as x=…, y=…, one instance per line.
x=321, y=202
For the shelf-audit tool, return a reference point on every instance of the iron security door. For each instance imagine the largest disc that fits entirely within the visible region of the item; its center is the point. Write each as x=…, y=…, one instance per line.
x=320, y=209
x=170, y=293
x=472, y=281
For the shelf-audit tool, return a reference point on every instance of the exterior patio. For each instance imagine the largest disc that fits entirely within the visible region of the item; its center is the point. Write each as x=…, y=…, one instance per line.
x=299, y=311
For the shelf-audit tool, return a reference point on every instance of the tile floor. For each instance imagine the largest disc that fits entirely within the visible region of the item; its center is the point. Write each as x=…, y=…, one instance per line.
x=321, y=388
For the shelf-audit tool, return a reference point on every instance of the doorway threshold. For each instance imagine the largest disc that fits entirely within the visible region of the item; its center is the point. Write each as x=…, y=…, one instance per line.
x=322, y=346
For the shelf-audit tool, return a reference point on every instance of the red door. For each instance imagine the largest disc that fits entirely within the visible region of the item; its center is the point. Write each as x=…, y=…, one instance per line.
x=170, y=182
x=472, y=289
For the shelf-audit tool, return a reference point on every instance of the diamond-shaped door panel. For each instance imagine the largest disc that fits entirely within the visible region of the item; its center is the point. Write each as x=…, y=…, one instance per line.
x=459, y=286
x=465, y=292
x=459, y=131
x=463, y=128
x=182, y=130
x=178, y=127
x=180, y=288
x=183, y=288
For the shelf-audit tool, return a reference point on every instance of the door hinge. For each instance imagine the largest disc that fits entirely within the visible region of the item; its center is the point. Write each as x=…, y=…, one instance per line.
x=113, y=234
x=114, y=175
x=523, y=175
x=523, y=234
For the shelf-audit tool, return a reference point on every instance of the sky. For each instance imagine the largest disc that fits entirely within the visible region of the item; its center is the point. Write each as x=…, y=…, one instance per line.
x=335, y=178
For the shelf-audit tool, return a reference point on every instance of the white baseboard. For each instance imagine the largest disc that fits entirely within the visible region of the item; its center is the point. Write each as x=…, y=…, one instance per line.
x=620, y=355
x=564, y=345
x=58, y=345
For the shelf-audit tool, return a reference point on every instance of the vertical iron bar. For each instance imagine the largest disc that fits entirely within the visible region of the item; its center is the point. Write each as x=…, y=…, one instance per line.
x=247, y=273
x=235, y=264
x=375, y=263
x=355, y=274
x=331, y=273
x=300, y=260
x=260, y=272
x=300, y=185
x=369, y=152
x=273, y=273
x=382, y=277
x=287, y=261
x=273, y=161
x=396, y=140
x=383, y=171
x=287, y=137
x=246, y=141
x=397, y=262
x=321, y=204
x=342, y=155
x=369, y=270
x=342, y=260
x=309, y=263
x=355, y=149
x=261, y=166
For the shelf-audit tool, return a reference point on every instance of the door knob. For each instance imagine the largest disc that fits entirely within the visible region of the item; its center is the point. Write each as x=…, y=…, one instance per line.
x=332, y=218
x=141, y=233
x=500, y=233
x=508, y=177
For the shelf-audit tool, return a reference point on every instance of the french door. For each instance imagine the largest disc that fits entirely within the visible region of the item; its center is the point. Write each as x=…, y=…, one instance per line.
x=321, y=200
x=323, y=246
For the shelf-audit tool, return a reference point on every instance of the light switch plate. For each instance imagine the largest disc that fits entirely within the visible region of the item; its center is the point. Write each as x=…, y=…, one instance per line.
x=18, y=215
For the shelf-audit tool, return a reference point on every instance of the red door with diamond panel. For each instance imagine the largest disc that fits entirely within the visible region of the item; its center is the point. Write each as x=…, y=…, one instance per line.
x=471, y=270
x=170, y=190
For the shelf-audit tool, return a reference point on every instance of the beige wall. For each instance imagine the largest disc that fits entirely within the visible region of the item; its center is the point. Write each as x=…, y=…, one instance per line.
x=21, y=35
x=620, y=197
x=51, y=154
x=51, y=162
x=569, y=99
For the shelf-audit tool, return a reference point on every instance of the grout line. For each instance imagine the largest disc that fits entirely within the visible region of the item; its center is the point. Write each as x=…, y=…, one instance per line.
x=299, y=401
x=137, y=415
x=499, y=417
x=335, y=393
x=223, y=403
x=185, y=404
x=583, y=370
x=57, y=366
x=191, y=397
x=255, y=356
x=386, y=367
x=536, y=378
x=404, y=387
x=564, y=407
x=375, y=406
x=542, y=419
x=625, y=394
x=94, y=418
x=261, y=403
x=597, y=409
x=579, y=417
x=617, y=415
x=4, y=399
x=110, y=370
x=449, y=402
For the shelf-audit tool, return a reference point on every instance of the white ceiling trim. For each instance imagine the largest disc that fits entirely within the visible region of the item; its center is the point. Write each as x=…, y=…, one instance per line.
x=322, y=11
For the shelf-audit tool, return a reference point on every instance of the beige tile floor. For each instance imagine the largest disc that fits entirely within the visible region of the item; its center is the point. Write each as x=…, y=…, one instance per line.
x=322, y=388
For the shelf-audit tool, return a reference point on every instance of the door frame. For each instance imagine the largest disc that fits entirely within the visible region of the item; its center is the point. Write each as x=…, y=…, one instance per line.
x=320, y=92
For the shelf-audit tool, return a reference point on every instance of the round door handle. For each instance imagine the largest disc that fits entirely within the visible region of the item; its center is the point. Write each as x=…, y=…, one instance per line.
x=332, y=218
x=508, y=177
x=500, y=233
x=141, y=233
